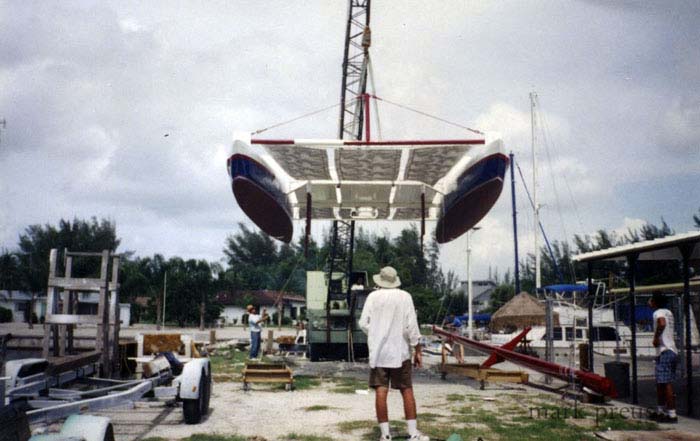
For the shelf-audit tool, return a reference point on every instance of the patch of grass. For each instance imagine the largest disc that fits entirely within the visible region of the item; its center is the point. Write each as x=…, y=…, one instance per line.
x=348, y=385
x=304, y=382
x=318, y=407
x=351, y=426
x=207, y=437
x=619, y=422
x=427, y=416
x=455, y=397
x=155, y=438
x=228, y=364
x=297, y=437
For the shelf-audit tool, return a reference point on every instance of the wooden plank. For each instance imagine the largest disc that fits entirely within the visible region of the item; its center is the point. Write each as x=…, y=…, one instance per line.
x=490, y=374
x=68, y=319
x=70, y=362
x=153, y=343
x=266, y=366
x=82, y=284
x=267, y=371
x=285, y=379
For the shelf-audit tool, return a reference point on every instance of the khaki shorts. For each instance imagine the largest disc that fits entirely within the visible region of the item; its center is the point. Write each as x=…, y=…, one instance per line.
x=400, y=378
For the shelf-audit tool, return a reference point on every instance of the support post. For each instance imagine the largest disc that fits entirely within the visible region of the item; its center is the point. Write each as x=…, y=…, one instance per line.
x=422, y=218
x=307, y=233
x=591, y=300
x=686, y=252
x=367, y=130
x=515, y=223
x=549, y=342
x=632, y=274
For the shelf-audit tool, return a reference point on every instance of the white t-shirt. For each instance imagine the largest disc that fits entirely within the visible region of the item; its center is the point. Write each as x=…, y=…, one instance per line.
x=254, y=322
x=389, y=320
x=666, y=341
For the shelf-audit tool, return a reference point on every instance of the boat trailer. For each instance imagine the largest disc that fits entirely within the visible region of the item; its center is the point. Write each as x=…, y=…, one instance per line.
x=48, y=392
x=497, y=354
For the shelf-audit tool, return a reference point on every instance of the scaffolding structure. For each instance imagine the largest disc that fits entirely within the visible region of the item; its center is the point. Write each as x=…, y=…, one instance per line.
x=62, y=308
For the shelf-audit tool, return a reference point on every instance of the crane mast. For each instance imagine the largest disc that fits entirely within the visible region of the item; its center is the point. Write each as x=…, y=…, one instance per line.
x=355, y=65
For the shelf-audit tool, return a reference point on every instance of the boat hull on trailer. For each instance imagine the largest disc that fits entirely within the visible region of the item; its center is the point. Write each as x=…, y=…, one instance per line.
x=260, y=196
x=477, y=190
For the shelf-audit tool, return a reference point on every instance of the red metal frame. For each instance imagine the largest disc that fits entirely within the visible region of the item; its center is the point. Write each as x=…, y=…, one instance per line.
x=371, y=143
x=596, y=383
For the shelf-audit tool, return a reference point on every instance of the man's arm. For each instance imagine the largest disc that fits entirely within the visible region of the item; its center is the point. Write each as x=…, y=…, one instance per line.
x=365, y=316
x=660, y=326
x=412, y=332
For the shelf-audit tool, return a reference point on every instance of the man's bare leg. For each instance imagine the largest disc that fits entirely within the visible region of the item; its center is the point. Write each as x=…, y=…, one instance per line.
x=409, y=403
x=661, y=395
x=670, y=398
x=380, y=397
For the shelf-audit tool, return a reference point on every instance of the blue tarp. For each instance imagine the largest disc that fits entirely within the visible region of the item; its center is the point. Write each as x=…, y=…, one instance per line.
x=566, y=288
x=476, y=317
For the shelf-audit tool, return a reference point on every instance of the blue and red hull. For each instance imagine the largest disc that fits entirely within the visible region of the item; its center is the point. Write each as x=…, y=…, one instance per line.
x=478, y=189
x=260, y=196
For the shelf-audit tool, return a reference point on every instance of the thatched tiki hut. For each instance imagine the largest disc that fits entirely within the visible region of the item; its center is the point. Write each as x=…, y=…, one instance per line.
x=520, y=311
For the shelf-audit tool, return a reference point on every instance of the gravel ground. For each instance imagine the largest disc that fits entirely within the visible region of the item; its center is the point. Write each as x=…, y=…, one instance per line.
x=273, y=414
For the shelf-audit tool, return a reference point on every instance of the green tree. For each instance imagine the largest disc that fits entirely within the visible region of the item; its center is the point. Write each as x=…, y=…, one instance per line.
x=79, y=235
x=10, y=272
x=191, y=291
x=252, y=258
x=501, y=295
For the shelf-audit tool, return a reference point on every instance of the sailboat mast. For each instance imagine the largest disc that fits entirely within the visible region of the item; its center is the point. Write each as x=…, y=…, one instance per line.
x=538, y=271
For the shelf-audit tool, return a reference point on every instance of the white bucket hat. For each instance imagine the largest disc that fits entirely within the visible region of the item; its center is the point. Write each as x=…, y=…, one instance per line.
x=387, y=278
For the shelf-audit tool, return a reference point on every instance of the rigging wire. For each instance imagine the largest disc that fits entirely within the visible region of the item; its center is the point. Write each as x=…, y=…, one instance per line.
x=374, y=94
x=306, y=115
x=546, y=240
x=544, y=128
x=420, y=112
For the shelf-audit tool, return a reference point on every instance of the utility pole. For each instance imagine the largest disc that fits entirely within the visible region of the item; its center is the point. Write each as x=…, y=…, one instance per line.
x=538, y=277
x=470, y=326
x=165, y=293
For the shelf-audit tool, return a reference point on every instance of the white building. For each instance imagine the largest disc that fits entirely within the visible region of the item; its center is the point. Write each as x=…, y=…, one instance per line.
x=481, y=293
x=234, y=303
x=19, y=303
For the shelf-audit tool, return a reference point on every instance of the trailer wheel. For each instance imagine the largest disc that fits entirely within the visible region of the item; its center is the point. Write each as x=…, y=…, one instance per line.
x=109, y=433
x=194, y=409
x=207, y=397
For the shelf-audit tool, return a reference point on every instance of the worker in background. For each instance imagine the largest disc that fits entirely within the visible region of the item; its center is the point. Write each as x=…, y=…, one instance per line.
x=359, y=285
x=255, y=322
x=389, y=320
x=666, y=360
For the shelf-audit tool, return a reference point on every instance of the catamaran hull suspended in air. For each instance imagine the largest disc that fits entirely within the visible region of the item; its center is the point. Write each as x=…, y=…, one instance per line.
x=453, y=182
x=260, y=196
x=477, y=191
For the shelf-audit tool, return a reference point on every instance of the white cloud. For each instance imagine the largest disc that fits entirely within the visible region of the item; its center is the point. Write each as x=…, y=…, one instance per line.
x=89, y=91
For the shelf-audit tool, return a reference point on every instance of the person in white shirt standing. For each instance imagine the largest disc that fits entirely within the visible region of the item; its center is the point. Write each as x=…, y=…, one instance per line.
x=389, y=320
x=255, y=322
x=666, y=359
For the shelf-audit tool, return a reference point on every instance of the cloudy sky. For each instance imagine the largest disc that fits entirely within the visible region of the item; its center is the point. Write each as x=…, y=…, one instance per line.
x=90, y=89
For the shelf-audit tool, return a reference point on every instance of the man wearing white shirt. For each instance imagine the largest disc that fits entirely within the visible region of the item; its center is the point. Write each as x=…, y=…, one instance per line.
x=666, y=359
x=389, y=320
x=255, y=322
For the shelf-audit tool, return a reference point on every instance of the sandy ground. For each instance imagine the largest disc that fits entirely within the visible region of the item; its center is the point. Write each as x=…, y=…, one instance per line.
x=272, y=415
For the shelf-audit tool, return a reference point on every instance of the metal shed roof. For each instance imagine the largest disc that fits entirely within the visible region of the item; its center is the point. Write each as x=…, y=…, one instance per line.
x=666, y=248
